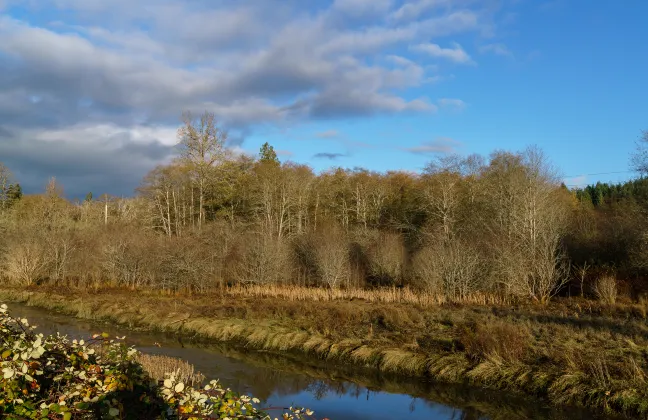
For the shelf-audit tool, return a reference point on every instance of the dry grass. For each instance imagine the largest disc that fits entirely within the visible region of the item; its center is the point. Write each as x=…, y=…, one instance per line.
x=569, y=351
x=383, y=295
x=498, y=339
x=158, y=366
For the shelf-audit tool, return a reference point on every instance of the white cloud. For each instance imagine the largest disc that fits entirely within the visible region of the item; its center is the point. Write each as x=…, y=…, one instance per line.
x=497, y=49
x=576, y=182
x=284, y=153
x=456, y=54
x=440, y=145
x=450, y=103
x=328, y=134
x=115, y=75
x=413, y=9
x=362, y=7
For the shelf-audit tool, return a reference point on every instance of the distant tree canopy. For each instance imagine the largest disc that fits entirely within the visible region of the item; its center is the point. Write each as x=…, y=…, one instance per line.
x=600, y=194
x=501, y=224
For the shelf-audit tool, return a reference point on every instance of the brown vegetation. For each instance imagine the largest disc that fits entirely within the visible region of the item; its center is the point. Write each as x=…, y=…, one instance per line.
x=465, y=228
x=159, y=367
x=569, y=351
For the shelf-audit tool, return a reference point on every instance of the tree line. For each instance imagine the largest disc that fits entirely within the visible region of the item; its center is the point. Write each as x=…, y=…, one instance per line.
x=502, y=224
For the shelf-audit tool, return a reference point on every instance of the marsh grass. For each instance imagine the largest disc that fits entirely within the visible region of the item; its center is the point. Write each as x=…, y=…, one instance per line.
x=379, y=295
x=157, y=366
x=498, y=339
x=569, y=352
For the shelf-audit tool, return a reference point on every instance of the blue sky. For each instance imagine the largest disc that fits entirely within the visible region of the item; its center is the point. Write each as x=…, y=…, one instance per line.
x=91, y=90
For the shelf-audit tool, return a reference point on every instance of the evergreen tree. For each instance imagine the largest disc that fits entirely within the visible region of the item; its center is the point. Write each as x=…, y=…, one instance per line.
x=14, y=194
x=268, y=154
x=88, y=197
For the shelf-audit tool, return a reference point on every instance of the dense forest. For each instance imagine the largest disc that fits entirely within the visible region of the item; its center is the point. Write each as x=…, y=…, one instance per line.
x=501, y=225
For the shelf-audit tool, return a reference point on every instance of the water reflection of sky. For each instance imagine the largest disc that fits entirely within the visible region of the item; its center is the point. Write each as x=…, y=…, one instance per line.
x=378, y=406
x=329, y=392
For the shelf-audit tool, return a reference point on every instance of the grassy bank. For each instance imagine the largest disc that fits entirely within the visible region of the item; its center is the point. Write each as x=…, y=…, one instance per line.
x=570, y=352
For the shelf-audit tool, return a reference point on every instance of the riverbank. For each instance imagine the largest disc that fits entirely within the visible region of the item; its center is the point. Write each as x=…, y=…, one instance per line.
x=571, y=352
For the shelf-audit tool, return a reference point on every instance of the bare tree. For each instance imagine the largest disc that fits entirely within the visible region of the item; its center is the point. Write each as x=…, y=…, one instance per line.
x=527, y=220
x=265, y=260
x=453, y=269
x=639, y=159
x=60, y=247
x=332, y=255
x=5, y=178
x=581, y=271
x=25, y=262
x=202, y=144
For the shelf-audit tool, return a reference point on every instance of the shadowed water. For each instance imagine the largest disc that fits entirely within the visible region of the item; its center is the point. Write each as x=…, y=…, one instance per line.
x=335, y=392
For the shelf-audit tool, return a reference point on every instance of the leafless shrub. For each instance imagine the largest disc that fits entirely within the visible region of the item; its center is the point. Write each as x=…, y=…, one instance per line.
x=386, y=255
x=605, y=289
x=549, y=271
x=59, y=248
x=305, y=259
x=25, y=262
x=125, y=261
x=265, y=259
x=425, y=271
x=453, y=269
x=187, y=264
x=332, y=254
x=510, y=268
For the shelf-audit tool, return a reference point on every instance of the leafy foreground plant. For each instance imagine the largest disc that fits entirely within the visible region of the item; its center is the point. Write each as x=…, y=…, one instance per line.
x=55, y=378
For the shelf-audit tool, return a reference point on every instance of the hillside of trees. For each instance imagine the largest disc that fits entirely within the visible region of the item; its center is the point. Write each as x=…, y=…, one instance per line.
x=500, y=225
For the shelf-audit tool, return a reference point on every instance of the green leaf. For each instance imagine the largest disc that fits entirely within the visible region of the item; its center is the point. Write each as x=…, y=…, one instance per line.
x=82, y=405
x=67, y=416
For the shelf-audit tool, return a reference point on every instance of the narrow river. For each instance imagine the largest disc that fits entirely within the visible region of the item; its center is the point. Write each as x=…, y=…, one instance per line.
x=334, y=392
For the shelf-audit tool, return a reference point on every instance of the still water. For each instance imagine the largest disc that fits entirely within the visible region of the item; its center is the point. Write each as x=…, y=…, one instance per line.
x=332, y=391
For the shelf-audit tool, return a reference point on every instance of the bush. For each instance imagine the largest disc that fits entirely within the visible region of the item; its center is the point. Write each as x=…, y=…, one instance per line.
x=332, y=254
x=453, y=270
x=507, y=341
x=605, y=289
x=52, y=376
x=25, y=263
x=264, y=260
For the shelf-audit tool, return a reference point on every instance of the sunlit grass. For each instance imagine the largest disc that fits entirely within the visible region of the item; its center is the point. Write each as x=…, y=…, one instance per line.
x=570, y=351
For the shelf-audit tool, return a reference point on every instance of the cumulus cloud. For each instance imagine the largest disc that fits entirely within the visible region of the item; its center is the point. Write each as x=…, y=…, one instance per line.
x=440, y=145
x=85, y=158
x=91, y=90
